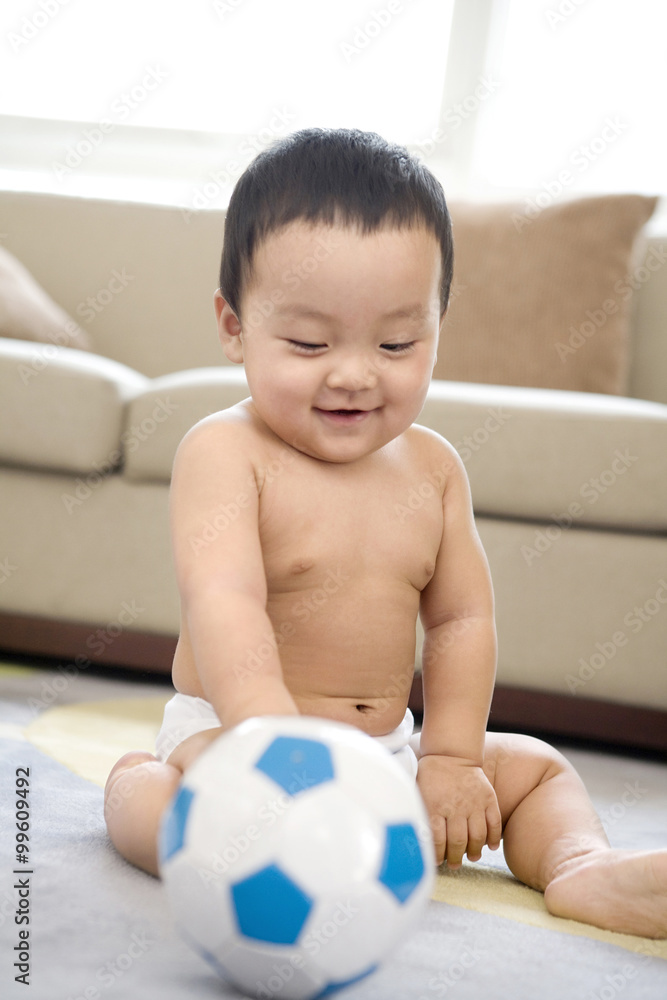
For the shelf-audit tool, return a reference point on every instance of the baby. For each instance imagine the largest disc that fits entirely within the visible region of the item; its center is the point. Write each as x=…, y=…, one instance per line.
x=335, y=277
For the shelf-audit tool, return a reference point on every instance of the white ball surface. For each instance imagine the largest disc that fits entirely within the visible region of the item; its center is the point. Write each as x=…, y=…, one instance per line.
x=295, y=854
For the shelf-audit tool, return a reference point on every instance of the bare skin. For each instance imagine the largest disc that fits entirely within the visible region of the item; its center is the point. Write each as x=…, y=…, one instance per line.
x=311, y=525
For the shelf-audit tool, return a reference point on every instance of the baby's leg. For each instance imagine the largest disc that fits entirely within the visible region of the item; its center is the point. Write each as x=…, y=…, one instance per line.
x=554, y=841
x=137, y=792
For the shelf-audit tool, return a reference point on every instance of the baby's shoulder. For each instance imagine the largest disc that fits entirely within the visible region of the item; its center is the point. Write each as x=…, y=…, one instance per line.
x=435, y=457
x=223, y=436
x=426, y=443
x=235, y=423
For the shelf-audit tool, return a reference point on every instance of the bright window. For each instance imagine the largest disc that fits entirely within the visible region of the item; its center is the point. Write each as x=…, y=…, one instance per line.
x=580, y=101
x=228, y=66
x=498, y=96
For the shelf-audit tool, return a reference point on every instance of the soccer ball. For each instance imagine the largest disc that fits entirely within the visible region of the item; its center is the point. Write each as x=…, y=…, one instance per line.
x=295, y=854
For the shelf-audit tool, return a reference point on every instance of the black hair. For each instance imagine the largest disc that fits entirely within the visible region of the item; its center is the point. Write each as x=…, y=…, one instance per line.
x=331, y=177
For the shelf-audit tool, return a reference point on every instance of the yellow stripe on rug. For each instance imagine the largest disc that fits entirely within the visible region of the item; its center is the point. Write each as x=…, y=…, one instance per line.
x=89, y=737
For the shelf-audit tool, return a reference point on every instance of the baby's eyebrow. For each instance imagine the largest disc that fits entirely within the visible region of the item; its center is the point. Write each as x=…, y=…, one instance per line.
x=416, y=311
x=408, y=312
x=303, y=312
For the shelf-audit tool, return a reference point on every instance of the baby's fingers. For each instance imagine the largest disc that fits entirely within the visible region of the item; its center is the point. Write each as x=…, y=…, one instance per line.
x=439, y=833
x=457, y=841
x=477, y=836
x=494, y=827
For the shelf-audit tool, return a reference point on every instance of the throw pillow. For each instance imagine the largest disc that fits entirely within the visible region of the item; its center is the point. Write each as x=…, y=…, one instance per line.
x=542, y=299
x=28, y=313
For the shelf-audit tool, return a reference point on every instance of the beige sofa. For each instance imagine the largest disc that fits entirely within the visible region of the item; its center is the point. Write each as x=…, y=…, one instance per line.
x=570, y=487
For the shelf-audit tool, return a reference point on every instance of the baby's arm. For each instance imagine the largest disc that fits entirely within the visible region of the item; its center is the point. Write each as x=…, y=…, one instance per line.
x=220, y=572
x=459, y=662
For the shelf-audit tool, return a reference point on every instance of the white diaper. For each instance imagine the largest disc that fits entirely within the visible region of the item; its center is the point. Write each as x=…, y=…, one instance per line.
x=185, y=715
x=403, y=744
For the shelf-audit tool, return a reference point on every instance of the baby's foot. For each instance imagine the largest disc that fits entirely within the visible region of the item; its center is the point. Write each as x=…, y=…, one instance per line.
x=623, y=891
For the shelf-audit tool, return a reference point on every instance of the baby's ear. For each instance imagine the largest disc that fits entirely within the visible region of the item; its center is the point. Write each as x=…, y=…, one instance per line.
x=229, y=329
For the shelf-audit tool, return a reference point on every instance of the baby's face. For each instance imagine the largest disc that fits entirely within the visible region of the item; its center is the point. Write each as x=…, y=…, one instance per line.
x=339, y=333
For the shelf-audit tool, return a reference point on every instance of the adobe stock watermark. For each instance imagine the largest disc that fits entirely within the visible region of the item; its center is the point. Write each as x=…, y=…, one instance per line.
x=434, y=481
x=109, y=974
x=604, y=652
x=365, y=33
x=130, y=441
x=591, y=491
x=312, y=944
x=431, y=486
x=96, y=643
x=448, y=635
x=615, y=983
x=456, y=114
x=617, y=811
x=222, y=180
x=93, y=305
x=580, y=160
x=33, y=24
x=471, y=443
x=224, y=7
x=293, y=277
x=44, y=354
x=223, y=860
x=89, y=308
x=301, y=611
x=227, y=856
x=121, y=110
x=623, y=287
x=562, y=12
x=447, y=979
x=225, y=514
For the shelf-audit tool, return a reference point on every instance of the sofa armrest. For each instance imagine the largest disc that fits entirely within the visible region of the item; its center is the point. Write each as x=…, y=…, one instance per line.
x=548, y=454
x=62, y=408
x=158, y=418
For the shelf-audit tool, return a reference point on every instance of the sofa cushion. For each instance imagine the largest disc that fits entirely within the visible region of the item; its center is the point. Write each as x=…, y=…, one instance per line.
x=563, y=457
x=28, y=313
x=159, y=417
x=66, y=407
x=542, y=299
x=536, y=454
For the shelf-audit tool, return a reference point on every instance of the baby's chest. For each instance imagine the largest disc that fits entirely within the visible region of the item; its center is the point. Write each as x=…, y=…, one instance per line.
x=387, y=533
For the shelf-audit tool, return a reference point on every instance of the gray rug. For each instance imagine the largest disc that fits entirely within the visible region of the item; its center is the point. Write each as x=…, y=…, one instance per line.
x=99, y=929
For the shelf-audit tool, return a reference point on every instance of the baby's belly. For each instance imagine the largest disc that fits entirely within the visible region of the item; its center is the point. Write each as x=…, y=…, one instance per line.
x=376, y=716
x=356, y=667
x=351, y=662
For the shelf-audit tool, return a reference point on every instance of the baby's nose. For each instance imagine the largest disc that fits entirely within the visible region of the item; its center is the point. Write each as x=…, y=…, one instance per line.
x=353, y=375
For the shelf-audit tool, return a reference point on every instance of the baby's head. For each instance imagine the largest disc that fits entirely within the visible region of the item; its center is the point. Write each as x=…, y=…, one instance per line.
x=335, y=276
x=330, y=177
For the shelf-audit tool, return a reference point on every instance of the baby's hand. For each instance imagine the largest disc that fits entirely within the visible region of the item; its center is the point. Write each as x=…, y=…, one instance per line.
x=462, y=808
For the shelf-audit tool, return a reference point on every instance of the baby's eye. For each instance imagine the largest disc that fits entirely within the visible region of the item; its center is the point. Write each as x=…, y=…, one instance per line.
x=398, y=348
x=306, y=348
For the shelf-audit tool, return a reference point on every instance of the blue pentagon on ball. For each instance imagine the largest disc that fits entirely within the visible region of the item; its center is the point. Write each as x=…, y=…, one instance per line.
x=296, y=764
x=271, y=907
x=402, y=865
x=172, y=836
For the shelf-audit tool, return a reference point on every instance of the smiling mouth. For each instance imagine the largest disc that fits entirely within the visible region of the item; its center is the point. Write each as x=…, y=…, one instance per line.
x=344, y=414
